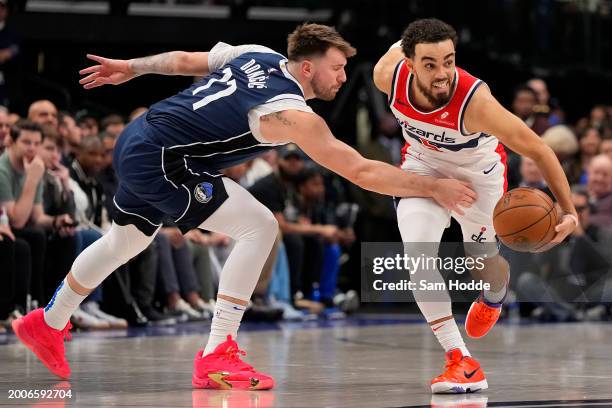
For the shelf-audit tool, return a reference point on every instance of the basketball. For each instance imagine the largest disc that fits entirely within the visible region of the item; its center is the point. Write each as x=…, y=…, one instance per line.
x=525, y=219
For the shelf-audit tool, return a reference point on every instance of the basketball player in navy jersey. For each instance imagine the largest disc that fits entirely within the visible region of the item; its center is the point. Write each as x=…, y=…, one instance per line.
x=453, y=127
x=168, y=162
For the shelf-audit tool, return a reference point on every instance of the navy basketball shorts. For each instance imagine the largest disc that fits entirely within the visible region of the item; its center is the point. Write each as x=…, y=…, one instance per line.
x=155, y=184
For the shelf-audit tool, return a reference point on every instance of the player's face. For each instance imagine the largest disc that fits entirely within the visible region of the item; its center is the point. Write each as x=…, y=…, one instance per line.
x=328, y=74
x=434, y=70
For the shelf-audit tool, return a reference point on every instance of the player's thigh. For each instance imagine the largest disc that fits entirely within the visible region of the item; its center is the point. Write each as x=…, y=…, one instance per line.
x=421, y=220
x=241, y=215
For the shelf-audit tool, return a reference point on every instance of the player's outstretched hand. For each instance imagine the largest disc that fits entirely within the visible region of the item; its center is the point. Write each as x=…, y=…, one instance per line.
x=454, y=194
x=107, y=72
x=566, y=225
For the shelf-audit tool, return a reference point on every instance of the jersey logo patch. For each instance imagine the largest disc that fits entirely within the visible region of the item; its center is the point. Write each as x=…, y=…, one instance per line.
x=203, y=192
x=444, y=115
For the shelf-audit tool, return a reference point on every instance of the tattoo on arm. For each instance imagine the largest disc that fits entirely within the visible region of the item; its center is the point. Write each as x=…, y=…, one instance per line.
x=155, y=64
x=278, y=116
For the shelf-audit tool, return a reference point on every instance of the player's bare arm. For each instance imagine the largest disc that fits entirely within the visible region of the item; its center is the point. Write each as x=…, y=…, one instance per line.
x=115, y=71
x=384, y=68
x=310, y=132
x=486, y=114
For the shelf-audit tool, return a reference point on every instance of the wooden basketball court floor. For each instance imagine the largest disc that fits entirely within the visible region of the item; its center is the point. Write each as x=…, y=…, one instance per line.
x=365, y=361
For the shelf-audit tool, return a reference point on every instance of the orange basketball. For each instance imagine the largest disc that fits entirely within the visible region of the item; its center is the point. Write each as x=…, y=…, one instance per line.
x=525, y=219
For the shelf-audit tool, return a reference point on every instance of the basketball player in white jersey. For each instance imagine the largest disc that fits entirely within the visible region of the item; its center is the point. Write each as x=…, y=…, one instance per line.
x=453, y=127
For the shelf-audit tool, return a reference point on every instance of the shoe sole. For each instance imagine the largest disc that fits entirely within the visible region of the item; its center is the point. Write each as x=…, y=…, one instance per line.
x=458, y=388
x=42, y=354
x=471, y=335
x=217, y=381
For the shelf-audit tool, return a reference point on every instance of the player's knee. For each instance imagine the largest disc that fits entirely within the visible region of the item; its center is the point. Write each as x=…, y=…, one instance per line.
x=268, y=223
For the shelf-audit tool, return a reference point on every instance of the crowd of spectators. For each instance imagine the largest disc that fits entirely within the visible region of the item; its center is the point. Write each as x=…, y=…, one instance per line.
x=56, y=198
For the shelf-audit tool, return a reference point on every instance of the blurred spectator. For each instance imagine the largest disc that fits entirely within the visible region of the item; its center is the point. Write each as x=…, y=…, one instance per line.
x=563, y=142
x=315, y=211
x=87, y=123
x=531, y=176
x=524, y=106
x=84, y=170
x=137, y=112
x=15, y=259
x=5, y=128
x=589, y=140
x=261, y=166
x=112, y=124
x=179, y=281
x=604, y=148
x=573, y=274
x=600, y=190
x=21, y=189
x=71, y=137
x=546, y=106
x=598, y=117
x=9, y=49
x=43, y=112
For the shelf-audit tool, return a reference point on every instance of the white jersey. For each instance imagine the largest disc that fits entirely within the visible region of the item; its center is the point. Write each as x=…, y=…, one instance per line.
x=441, y=134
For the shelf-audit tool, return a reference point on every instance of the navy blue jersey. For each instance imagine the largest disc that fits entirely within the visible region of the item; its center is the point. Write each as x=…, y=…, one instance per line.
x=209, y=122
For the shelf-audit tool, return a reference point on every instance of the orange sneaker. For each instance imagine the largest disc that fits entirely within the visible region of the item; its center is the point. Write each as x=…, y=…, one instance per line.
x=463, y=374
x=44, y=341
x=223, y=369
x=481, y=317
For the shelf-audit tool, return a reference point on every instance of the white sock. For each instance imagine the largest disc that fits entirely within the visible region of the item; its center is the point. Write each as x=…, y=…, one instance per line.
x=496, y=297
x=449, y=336
x=61, y=306
x=226, y=320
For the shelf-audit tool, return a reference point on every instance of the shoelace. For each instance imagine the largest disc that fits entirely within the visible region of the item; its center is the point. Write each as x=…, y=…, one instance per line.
x=66, y=332
x=233, y=356
x=485, y=313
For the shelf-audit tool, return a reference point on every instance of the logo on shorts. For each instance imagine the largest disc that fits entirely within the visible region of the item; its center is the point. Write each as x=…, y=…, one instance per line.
x=479, y=237
x=203, y=192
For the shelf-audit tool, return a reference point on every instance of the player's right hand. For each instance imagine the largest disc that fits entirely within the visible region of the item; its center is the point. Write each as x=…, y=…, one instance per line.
x=107, y=72
x=34, y=168
x=454, y=194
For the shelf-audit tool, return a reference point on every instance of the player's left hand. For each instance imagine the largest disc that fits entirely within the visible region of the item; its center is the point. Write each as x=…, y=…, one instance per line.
x=567, y=224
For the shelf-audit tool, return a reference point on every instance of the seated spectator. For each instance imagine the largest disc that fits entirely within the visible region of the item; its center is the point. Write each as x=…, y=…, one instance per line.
x=112, y=124
x=87, y=123
x=605, y=148
x=314, y=210
x=71, y=137
x=43, y=112
x=178, y=278
x=15, y=273
x=58, y=198
x=524, y=106
x=572, y=277
x=84, y=170
x=563, y=142
x=589, y=140
x=531, y=176
x=600, y=190
x=21, y=190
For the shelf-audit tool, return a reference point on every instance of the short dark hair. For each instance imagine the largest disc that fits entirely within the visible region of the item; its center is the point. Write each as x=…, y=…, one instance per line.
x=308, y=173
x=112, y=119
x=50, y=132
x=525, y=88
x=25, y=124
x=315, y=39
x=426, y=31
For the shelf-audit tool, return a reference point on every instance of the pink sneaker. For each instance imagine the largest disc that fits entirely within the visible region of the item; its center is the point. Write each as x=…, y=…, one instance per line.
x=223, y=369
x=44, y=341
